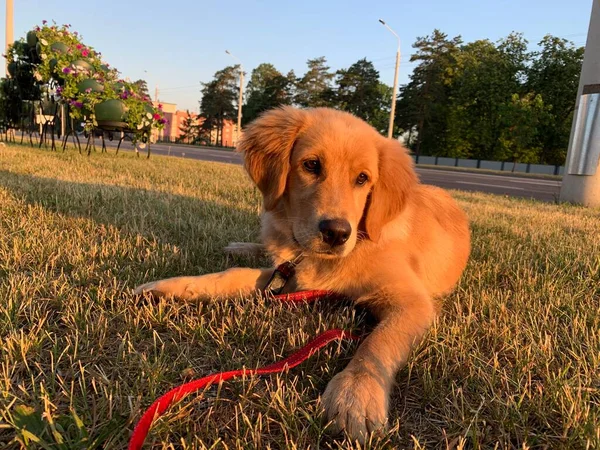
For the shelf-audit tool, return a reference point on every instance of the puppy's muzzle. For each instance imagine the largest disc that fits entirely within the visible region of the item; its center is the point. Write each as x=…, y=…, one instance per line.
x=335, y=232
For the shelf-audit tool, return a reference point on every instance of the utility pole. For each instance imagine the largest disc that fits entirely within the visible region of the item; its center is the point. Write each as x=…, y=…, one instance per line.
x=9, y=28
x=156, y=94
x=394, y=92
x=241, y=97
x=581, y=181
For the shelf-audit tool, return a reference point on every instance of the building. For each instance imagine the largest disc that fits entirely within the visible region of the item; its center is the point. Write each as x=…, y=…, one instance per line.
x=176, y=120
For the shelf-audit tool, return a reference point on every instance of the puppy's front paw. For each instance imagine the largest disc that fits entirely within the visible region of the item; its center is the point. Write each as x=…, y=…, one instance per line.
x=357, y=403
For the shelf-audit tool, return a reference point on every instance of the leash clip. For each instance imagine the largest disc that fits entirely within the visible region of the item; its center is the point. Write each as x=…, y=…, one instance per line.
x=281, y=275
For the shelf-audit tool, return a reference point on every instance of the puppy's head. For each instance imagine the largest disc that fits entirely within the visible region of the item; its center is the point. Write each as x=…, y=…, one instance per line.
x=331, y=175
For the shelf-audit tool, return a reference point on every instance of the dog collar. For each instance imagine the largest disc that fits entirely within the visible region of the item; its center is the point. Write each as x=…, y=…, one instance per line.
x=281, y=276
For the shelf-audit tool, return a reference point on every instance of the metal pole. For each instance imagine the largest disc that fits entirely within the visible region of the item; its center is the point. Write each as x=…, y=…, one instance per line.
x=581, y=181
x=394, y=93
x=9, y=28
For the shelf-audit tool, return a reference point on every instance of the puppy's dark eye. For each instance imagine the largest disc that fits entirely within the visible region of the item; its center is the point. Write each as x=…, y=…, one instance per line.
x=312, y=165
x=362, y=179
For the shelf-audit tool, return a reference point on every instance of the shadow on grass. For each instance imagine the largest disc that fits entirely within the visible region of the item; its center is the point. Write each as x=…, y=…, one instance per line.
x=195, y=229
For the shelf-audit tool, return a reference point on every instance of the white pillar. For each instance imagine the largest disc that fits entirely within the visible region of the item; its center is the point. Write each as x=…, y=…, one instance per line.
x=581, y=181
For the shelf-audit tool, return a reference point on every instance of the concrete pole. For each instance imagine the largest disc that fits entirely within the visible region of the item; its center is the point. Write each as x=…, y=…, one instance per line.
x=9, y=29
x=394, y=93
x=581, y=181
x=239, y=121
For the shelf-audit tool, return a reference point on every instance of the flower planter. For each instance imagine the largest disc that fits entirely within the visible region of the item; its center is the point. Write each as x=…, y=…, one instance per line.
x=90, y=83
x=32, y=38
x=59, y=47
x=81, y=65
x=118, y=87
x=113, y=110
x=49, y=107
x=38, y=49
x=12, y=69
x=52, y=64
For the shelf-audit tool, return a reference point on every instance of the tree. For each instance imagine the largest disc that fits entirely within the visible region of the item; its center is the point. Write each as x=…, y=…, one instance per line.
x=484, y=79
x=267, y=89
x=554, y=74
x=423, y=104
x=142, y=87
x=219, y=101
x=360, y=92
x=314, y=85
x=519, y=139
x=188, y=129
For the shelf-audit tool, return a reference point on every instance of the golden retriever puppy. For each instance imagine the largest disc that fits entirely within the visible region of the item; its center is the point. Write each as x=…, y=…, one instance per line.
x=345, y=205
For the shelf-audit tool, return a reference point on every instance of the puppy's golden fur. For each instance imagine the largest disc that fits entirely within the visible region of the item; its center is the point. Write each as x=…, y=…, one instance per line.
x=405, y=243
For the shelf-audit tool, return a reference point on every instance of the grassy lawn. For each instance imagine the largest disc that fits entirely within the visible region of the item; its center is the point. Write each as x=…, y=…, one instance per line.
x=513, y=362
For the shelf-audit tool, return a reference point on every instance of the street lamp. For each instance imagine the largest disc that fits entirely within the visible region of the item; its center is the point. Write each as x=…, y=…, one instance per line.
x=239, y=121
x=393, y=112
x=9, y=28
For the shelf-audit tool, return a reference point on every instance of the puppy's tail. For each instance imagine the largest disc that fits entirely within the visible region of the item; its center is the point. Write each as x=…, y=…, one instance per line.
x=245, y=249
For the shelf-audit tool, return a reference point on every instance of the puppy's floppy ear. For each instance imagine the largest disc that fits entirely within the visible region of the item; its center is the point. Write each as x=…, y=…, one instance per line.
x=267, y=144
x=391, y=190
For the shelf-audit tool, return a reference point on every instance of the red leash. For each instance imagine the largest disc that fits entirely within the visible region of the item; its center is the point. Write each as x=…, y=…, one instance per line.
x=158, y=408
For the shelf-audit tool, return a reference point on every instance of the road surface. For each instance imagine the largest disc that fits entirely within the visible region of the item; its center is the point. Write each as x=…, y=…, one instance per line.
x=539, y=189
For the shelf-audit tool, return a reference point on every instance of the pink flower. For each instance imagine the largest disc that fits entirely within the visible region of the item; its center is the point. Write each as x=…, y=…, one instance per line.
x=85, y=53
x=79, y=46
x=156, y=116
x=160, y=106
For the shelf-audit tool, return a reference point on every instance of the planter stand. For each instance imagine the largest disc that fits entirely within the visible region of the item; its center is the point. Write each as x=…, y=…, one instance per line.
x=70, y=130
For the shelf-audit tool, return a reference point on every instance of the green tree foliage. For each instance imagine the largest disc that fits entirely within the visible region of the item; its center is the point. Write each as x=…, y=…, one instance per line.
x=142, y=87
x=554, y=74
x=424, y=100
x=461, y=98
x=360, y=92
x=267, y=89
x=520, y=118
x=484, y=79
x=219, y=101
x=314, y=88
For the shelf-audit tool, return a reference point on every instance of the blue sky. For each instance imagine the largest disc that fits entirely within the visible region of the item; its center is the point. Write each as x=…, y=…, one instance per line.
x=178, y=44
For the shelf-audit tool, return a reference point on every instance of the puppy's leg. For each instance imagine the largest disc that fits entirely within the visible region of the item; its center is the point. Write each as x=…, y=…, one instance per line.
x=356, y=399
x=230, y=283
x=245, y=249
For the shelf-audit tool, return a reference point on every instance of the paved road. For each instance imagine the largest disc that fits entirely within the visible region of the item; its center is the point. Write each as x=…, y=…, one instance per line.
x=539, y=189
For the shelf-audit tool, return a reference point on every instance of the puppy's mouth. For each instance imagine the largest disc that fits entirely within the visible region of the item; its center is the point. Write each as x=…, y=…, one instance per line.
x=320, y=249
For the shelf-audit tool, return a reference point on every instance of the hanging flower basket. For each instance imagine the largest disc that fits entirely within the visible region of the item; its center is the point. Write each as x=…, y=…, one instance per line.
x=111, y=114
x=91, y=84
x=12, y=69
x=59, y=47
x=32, y=38
x=81, y=65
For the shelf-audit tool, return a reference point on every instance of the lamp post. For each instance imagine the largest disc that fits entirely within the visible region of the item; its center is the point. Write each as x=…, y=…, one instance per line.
x=9, y=27
x=239, y=119
x=393, y=111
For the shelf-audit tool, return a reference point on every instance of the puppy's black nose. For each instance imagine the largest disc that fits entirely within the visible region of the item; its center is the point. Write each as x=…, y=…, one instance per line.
x=335, y=232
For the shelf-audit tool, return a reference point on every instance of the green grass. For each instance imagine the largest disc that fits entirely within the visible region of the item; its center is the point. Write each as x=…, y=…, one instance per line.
x=513, y=362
